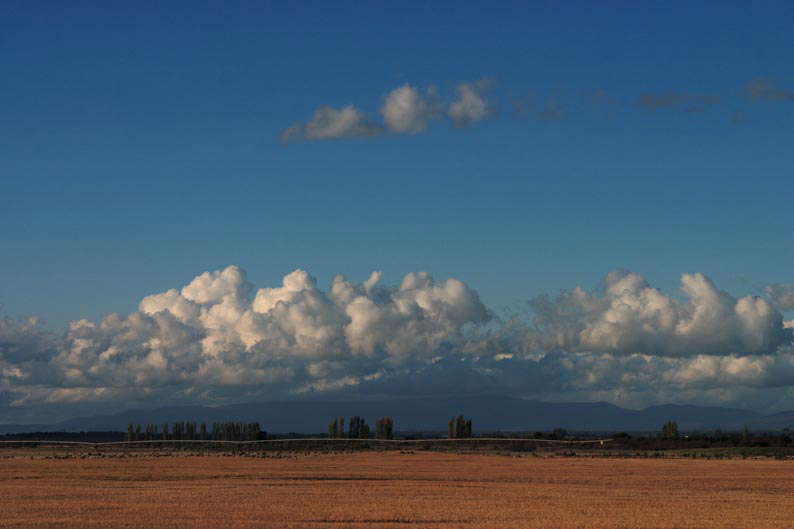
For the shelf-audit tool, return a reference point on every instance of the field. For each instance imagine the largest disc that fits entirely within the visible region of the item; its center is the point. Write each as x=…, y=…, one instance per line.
x=393, y=489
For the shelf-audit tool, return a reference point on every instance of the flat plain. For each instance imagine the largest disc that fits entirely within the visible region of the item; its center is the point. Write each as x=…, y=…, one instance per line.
x=394, y=489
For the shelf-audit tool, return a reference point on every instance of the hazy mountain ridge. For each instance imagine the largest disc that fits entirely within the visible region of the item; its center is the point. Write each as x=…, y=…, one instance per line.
x=487, y=413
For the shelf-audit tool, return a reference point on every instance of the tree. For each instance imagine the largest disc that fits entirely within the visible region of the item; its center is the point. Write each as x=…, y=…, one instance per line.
x=137, y=432
x=462, y=428
x=129, y=432
x=191, y=430
x=358, y=429
x=352, y=429
x=384, y=428
x=670, y=430
x=203, y=431
x=333, y=429
x=151, y=432
x=165, y=431
x=341, y=426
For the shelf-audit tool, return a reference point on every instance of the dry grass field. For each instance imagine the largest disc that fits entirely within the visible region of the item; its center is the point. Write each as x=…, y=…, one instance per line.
x=394, y=489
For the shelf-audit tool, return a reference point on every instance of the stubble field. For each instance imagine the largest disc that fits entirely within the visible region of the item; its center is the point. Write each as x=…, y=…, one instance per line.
x=394, y=489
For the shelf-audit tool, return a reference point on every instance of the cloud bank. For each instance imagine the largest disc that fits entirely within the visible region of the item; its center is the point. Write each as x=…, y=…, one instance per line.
x=218, y=339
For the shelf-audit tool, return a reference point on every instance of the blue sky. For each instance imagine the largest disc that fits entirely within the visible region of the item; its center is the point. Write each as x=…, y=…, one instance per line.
x=139, y=147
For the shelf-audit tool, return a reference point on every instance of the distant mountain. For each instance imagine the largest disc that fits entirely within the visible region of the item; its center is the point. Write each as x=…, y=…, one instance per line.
x=488, y=413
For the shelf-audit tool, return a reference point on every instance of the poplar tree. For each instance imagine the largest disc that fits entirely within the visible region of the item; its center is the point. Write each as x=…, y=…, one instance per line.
x=462, y=428
x=384, y=428
x=670, y=430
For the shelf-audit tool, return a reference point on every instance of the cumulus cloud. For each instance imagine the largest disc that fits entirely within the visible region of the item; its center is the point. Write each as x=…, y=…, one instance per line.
x=218, y=338
x=470, y=105
x=632, y=317
x=213, y=332
x=405, y=111
x=21, y=338
x=783, y=295
x=761, y=88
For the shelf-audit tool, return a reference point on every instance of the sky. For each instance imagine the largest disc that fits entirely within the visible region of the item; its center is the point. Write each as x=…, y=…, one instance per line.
x=501, y=168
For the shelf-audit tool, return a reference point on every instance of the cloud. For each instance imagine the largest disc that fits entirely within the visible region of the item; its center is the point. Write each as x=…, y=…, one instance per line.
x=762, y=88
x=632, y=317
x=470, y=105
x=329, y=123
x=220, y=339
x=783, y=295
x=23, y=338
x=687, y=103
x=404, y=111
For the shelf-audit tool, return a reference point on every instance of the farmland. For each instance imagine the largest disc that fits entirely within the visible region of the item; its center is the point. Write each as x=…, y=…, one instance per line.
x=391, y=489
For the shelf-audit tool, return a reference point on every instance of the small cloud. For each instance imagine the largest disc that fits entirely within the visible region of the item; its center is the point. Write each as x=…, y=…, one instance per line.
x=763, y=88
x=470, y=106
x=329, y=123
x=687, y=103
x=405, y=112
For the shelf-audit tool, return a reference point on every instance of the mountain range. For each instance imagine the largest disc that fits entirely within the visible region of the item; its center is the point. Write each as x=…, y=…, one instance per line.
x=488, y=413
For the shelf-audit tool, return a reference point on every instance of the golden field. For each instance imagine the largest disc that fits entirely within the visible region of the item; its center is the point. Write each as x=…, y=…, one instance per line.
x=393, y=489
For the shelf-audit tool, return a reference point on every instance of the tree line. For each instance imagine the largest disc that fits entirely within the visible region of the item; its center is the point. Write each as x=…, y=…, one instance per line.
x=193, y=431
x=359, y=429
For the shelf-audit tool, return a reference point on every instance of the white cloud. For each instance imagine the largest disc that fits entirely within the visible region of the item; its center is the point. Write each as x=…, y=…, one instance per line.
x=470, y=106
x=632, y=317
x=404, y=110
x=213, y=339
x=329, y=123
